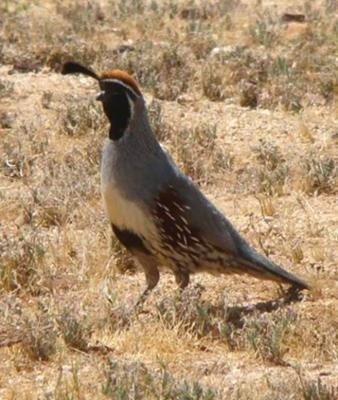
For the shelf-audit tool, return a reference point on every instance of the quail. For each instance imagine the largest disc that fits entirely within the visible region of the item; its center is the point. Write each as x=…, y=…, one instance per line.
x=157, y=212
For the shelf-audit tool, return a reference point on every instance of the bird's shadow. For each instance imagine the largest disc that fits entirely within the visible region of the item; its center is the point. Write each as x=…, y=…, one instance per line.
x=190, y=310
x=236, y=315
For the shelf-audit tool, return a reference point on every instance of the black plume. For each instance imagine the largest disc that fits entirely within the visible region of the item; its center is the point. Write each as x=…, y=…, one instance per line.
x=75, y=68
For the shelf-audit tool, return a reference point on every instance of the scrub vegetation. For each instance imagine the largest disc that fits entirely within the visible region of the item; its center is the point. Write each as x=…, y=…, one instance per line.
x=244, y=96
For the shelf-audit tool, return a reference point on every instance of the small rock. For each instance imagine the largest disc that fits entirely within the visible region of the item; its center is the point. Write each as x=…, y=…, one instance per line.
x=124, y=47
x=7, y=120
x=185, y=99
x=222, y=51
x=290, y=17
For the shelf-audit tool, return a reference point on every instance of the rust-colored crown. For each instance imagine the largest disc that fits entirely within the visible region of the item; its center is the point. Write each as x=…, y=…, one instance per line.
x=122, y=76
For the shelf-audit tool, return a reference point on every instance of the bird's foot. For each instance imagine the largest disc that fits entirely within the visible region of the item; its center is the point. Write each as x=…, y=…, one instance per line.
x=138, y=308
x=190, y=293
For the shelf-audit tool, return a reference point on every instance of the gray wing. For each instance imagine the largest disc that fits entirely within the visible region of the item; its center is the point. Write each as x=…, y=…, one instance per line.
x=214, y=228
x=203, y=215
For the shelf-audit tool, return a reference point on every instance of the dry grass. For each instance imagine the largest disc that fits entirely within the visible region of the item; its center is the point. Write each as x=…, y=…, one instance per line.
x=246, y=103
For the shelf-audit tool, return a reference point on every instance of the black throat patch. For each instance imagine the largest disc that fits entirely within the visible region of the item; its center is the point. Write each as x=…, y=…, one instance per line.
x=117, y=109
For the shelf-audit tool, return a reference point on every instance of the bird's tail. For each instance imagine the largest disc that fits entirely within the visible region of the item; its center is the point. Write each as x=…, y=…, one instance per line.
x=262, y=266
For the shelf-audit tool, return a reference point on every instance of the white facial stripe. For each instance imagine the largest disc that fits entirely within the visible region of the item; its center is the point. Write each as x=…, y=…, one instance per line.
x=122, y=84
x=131, y=104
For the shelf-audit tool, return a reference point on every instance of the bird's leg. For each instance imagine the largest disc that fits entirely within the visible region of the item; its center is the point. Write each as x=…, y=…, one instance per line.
x=182, y=278
x=152, y=278
x=143, y=297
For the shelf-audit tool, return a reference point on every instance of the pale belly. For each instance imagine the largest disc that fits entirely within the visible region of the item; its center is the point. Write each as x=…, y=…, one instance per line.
x=126, y=214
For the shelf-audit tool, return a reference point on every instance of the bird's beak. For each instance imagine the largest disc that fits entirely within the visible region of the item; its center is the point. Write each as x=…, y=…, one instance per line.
x=100, y=95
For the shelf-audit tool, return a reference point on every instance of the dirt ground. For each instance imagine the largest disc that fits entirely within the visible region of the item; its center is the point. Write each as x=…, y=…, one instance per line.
x=246, y=102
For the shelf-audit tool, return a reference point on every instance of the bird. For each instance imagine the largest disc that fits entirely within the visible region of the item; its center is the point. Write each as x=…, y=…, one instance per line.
x=157, y=212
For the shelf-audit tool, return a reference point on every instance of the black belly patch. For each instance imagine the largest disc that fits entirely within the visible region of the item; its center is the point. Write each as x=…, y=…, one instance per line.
x=130, y=240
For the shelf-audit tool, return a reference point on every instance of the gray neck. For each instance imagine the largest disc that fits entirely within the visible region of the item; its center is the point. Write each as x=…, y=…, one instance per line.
x=138, y=140
x=136, y=163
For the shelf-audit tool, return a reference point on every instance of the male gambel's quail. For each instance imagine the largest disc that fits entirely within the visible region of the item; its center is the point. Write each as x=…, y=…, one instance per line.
x=157, y=212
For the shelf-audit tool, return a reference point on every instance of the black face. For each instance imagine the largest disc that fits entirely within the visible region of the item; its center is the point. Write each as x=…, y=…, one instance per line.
x=114, y=97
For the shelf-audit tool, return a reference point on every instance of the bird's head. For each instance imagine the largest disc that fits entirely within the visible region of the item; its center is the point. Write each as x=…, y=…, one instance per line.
x=119, y=93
